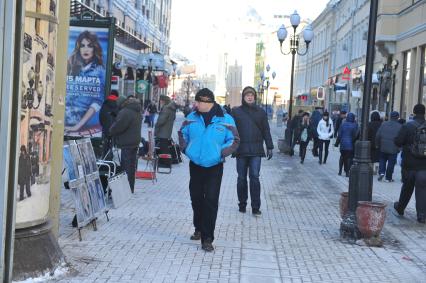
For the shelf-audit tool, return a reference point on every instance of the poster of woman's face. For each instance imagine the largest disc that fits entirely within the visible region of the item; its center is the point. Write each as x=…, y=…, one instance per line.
x=86, y=71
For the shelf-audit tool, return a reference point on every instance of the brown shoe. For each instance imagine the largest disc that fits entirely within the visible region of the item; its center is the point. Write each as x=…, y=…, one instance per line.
x=207, y=245
x=196, y=236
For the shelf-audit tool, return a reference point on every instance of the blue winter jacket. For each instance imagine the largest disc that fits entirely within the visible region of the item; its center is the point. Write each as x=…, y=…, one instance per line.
x=208, y=146
x=348, y=133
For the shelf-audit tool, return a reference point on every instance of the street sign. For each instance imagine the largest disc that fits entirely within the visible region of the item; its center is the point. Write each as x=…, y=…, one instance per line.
x=346, y=73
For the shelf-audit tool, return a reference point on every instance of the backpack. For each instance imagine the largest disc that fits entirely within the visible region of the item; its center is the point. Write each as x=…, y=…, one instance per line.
x=418, y=148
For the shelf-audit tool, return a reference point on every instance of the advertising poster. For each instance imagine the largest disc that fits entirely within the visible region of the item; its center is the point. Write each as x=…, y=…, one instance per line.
x=86, y=79
x=38, y=65
x=87, y=155
x=100, y=195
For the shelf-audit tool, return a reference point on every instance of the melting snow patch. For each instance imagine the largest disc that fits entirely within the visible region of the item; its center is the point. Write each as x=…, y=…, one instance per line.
x=58, y=272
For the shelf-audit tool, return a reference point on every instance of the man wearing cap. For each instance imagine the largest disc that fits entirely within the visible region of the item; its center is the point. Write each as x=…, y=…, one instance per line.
x=388, y=150
x=207, y=136
x=253, y=127
x=413, y=166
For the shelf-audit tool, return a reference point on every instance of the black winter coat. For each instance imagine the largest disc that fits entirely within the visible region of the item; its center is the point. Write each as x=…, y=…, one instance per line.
x=107, y=115
x=24, y=173
x=405, y=140
x=126, y=129
x=253, y=128
x=373, y=127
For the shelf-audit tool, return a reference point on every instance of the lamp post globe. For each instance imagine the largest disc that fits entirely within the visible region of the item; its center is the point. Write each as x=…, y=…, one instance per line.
x=268, y=68
x=308, y=34
x=295, y=19
x=274, y=75
x=282, y=34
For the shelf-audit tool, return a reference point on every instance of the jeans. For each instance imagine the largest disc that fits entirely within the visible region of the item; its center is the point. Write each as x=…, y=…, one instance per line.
x=391, y=160
x=315, y=147
x=252, y=165
x=323, y=145
x=347, y=155
x=204, y=189
x=128, y=164
x=411, y=179
x=27, y=187
x=302, y=149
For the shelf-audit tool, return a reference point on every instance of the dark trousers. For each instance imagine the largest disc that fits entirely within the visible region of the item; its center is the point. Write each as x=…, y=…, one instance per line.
x=204, y=188
x=128, y=164
x=390, y=159
x=27, y=187
x=315, y=147
x=411, y=179
x=348, y=156
x=250, y=164
x=340, y=163
x=302, y=149
x=323, y=146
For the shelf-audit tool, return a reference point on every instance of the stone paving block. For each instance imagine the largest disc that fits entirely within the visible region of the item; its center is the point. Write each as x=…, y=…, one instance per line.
x=259, y=279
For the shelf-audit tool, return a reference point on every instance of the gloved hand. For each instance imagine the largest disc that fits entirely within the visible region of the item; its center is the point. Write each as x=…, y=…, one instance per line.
x=269, y=154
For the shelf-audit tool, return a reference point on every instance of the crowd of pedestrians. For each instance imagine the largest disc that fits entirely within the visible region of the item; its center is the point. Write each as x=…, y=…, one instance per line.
x=389, y=138
x=211, y=132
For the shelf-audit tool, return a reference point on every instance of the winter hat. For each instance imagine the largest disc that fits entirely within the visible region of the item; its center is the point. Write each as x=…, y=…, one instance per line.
x=394, y=115
x=165, y=98
x=419, y=109
x=205, y=95
x=249, y=89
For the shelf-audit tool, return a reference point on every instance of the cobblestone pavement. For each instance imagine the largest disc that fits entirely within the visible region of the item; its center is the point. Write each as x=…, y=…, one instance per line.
x=295, y=240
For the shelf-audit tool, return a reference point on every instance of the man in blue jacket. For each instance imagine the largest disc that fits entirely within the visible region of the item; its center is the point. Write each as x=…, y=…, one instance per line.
x=207, y=136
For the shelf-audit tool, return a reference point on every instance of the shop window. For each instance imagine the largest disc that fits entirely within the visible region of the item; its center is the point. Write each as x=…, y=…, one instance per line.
x=405, y=83
x=422, y=88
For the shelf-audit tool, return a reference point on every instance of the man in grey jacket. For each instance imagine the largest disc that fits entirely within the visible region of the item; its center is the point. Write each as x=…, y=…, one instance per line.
x=164, y=126
x=388, y=150
x=126, y=131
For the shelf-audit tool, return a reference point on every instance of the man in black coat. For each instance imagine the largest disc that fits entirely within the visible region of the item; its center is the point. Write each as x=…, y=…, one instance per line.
x=253, y=128
x=107, y=116
x=24, y=173
x=413, y=167
x=126, y=131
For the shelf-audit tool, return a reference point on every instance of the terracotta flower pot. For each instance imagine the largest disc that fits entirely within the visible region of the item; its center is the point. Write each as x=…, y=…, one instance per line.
x=343, y=203
x=370, y=218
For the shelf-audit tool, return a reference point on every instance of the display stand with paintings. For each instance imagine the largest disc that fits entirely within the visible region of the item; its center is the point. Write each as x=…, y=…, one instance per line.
x=84, y=182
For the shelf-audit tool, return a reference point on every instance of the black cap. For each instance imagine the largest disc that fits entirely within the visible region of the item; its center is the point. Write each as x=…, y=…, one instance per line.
x=205, y=95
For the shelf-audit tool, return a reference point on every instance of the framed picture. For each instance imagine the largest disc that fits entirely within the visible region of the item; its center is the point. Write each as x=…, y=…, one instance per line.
x=83, y=204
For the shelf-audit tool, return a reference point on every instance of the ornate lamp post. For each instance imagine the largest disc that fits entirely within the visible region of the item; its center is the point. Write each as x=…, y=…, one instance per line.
x=188, y=83
x=361, y=173
x=28, y=96
x=174, y=65
x=308, y=35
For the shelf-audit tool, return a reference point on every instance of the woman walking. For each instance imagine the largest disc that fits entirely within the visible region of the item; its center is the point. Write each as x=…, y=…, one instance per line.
x=325, y=131
x=306, y=135
x=348, y=133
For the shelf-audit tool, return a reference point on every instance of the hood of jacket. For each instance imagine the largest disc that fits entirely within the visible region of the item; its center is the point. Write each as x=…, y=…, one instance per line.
x=132, y=104
x=375, y=116
x=243, y=102
x=350, y=117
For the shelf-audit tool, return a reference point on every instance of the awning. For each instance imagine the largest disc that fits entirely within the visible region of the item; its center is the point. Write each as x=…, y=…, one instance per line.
x=130, y=40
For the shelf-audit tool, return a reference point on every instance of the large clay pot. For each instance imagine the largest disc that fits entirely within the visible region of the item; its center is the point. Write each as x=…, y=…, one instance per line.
x=343, y=203
x=370, y=217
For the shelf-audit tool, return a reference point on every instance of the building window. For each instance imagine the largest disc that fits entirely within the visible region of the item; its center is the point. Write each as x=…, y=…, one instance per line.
x=405, y=83
x=422, y=88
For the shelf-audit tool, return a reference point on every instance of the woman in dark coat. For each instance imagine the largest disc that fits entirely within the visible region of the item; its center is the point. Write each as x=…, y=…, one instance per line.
x=348, y=133
x=306, y=134
x=373, y=127
x=24, y=173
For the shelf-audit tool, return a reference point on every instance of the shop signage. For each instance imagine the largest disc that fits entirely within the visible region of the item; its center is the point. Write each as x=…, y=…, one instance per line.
x=346, y=73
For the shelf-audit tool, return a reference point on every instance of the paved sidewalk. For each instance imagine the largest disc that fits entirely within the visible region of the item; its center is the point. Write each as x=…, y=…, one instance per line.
x=295, y=240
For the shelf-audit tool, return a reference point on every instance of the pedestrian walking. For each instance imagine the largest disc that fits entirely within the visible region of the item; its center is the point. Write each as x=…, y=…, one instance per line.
x=315, y=119
x=373, y=127
x=295, y=124
x=348, y=133
x=126, y=131
x=152, y=112
x=164, y=125
x=384, y=140
x=325, y=130
x=412, y=139
x=107, y=115
x=24, y=173
x=207, y=136
x=253, y=128
x=306, y=134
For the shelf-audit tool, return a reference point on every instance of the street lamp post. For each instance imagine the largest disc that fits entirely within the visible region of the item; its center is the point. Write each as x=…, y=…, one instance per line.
x=308, y=35
x=361, y=172
x=174, y=65
x=188, y=86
